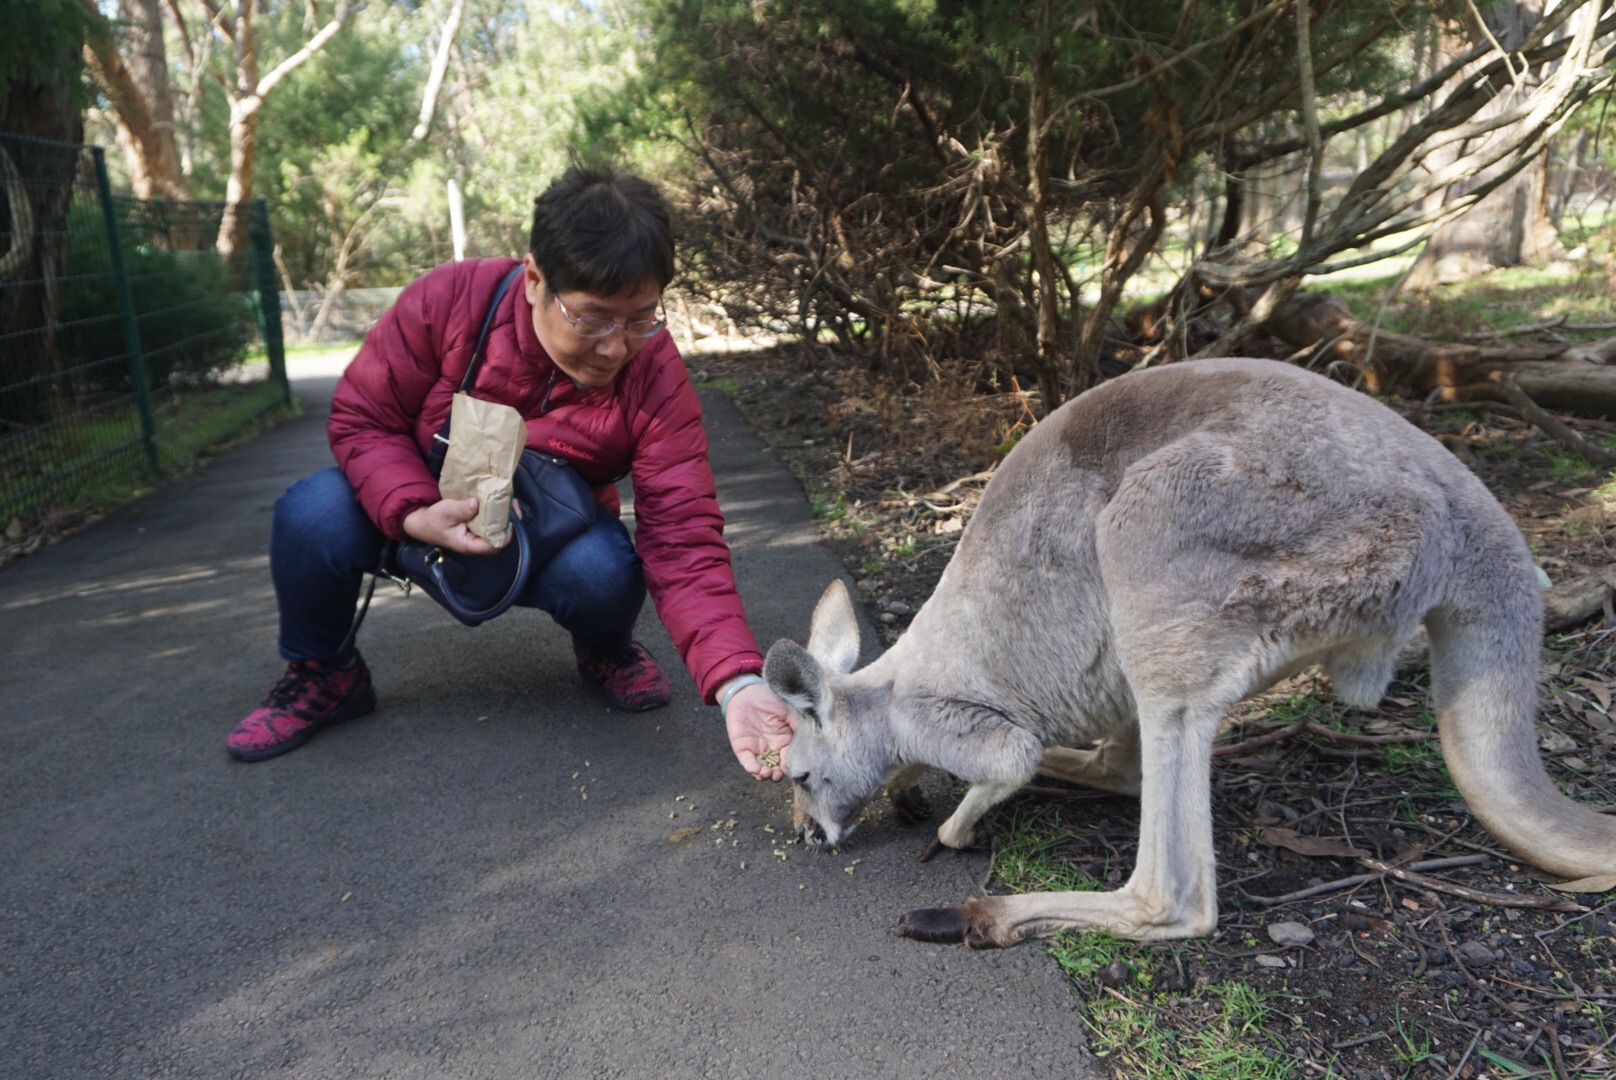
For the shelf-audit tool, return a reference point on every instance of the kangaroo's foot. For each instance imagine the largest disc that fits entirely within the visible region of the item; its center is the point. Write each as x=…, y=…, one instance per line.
x=996, y=922
x=959, y=831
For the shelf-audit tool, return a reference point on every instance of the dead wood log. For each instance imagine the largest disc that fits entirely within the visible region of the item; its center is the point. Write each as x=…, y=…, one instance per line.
x=1577, y=600
x=1579, y=378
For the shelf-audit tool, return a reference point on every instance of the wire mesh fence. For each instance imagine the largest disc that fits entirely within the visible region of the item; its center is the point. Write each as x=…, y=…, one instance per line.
x=131, y=340
x=325, y=318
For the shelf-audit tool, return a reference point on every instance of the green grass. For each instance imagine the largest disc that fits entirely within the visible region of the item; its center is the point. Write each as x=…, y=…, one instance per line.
x=1495, y=301
x=96, y=460
x=729, y=387
x=1218, y=1031
x=1227, y=1040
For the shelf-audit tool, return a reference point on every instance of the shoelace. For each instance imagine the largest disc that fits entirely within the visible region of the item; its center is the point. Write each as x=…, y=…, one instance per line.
x=292, y=686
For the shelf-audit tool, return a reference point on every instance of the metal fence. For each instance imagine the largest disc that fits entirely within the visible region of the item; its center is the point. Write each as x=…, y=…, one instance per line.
x=128, y=343
x=310, y=317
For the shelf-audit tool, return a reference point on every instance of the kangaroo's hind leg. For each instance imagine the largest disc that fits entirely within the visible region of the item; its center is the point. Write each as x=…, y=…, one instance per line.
x=1173, y=890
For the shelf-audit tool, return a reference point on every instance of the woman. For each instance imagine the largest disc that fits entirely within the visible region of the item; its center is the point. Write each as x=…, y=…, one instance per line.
x=581, y=351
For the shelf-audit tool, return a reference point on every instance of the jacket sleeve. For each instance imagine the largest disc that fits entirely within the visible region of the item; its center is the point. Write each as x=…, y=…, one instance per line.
x=679, y=533
x=378, y=400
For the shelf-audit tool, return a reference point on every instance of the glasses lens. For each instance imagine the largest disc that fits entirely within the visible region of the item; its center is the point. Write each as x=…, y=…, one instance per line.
x=644, y=327
x=589, y=326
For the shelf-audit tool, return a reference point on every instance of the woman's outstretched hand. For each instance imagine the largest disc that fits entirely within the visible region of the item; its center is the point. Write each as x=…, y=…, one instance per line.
x=759, y=723
x=443, y=524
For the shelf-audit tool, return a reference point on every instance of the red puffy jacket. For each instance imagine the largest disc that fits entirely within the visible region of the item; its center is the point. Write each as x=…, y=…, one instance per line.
x=396, y=393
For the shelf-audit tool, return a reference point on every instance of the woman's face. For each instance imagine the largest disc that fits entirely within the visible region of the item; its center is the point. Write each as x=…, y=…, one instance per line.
x=590, y=362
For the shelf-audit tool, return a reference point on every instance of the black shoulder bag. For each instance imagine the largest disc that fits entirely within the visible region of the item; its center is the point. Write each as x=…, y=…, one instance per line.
x=556, y=505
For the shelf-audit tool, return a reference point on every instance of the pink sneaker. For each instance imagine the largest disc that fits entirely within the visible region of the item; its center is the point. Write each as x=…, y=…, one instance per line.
x=631, y=679
x=310, y=696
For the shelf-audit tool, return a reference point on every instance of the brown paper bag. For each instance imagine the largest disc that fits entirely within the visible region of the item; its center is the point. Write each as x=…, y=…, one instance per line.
x=485, y=444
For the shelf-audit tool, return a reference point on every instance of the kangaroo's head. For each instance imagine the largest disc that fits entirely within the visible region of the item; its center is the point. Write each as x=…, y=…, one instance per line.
x=838, y=758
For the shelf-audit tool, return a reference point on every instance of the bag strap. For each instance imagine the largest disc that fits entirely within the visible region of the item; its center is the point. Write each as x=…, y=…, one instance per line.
x=451, y=600
x=440, y=441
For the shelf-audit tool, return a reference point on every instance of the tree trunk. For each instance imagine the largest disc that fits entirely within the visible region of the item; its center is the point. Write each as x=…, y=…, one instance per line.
x=1511, y=226
x=33, y=208
x=440, y=66
x=238, y=189
x=1043, y=256
x=142, y=100
x=246, y=100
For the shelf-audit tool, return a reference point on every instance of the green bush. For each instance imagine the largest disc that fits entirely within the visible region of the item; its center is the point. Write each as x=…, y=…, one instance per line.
x=192, y=324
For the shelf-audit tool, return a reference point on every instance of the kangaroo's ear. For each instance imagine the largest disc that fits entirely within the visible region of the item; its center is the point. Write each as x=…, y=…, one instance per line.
x=797, y=679
x=833, y=635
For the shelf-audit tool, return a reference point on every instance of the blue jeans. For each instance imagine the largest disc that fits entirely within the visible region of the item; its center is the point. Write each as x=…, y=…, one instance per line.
x=322, y=544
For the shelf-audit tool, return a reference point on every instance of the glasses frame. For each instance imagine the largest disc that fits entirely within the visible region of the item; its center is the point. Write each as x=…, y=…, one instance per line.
x=656, y=325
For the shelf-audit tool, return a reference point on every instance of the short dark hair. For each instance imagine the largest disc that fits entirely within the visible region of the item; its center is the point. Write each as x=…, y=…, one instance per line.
x=598, y=229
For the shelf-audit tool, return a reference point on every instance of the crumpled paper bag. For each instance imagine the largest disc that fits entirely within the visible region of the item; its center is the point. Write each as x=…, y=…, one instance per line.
x=485, y=444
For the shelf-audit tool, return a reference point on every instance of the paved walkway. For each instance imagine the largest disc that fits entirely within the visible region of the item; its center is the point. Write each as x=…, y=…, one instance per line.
x=492, y=876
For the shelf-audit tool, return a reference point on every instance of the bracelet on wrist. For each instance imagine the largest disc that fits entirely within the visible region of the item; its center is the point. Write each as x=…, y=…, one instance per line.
x=740, y=683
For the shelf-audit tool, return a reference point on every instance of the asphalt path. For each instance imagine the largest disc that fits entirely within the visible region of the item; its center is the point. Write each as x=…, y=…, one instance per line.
x=491, y=876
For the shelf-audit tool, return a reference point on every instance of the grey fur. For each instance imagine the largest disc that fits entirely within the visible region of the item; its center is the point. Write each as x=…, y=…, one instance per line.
x=1153, y=552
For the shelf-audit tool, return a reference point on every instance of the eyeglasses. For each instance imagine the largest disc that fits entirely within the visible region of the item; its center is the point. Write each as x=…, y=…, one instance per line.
x=595, y=326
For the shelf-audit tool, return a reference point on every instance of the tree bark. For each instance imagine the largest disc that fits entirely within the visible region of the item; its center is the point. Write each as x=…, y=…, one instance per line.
x=440, y=66
x=247, y=100
x=142, y=97
x=1043, y=255
x=1511, y=226
x=39, y=189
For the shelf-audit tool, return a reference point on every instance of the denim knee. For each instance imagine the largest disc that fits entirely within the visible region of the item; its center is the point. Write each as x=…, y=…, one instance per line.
x=595, y=586
x=319, y=519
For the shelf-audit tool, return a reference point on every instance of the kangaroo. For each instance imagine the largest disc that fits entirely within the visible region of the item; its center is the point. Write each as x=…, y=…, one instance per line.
x=1154, y=551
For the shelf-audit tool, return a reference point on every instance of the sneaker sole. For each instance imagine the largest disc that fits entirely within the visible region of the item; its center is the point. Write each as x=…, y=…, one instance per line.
x=623, y=706
x=350, y=711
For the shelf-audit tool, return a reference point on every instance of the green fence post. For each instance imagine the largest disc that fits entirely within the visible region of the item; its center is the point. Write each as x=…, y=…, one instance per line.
x=126, y=312
x=269, y=295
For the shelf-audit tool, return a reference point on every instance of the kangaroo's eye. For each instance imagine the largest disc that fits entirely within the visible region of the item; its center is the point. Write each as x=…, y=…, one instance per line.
x=800, y=778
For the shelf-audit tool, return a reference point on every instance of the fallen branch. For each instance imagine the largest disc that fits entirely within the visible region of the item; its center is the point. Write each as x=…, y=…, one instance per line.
x=1578, y=600
x=1553, y=425
x=1359, y=879
x=1301, y=726
x=1476, y=896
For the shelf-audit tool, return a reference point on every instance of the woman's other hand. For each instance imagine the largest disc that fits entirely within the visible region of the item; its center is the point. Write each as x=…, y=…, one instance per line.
x=443, y=524
x=758, y=722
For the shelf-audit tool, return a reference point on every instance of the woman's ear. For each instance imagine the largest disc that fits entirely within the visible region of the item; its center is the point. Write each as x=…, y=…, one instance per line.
x=532, y=281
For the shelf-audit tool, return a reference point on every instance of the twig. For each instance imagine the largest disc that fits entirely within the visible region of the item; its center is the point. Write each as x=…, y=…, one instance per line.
x=1259, y=741
x=1360, y=879
x=1555, y=930
x=1557, y=323
x=1231, y=749
x=1524, y=328
x=1479, y=896
x=1350, y=1043
x=1553, y=425
x=1459, y=1068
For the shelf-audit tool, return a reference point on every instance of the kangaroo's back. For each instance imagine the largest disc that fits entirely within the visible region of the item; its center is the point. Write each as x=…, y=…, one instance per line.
x=1241, y=489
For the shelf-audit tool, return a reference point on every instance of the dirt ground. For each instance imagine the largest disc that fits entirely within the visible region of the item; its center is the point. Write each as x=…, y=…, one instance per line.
x=1456, y=961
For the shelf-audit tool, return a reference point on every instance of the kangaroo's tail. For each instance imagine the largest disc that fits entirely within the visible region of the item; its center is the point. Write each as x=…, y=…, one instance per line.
x=1484, y=680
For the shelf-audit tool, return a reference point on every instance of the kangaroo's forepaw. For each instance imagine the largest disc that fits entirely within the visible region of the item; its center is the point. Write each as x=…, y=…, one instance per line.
x=931, y=849
x=910, y=806
x=966, y=924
